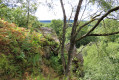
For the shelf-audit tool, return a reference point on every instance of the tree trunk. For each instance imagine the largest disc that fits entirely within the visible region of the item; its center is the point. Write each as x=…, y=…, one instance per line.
x=70, y=56
x=72, y=40
x=63, y=37
x=28, y=13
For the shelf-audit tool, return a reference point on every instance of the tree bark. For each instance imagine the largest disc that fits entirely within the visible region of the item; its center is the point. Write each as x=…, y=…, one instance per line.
x=104, y=34
x=72, y=40
x=74, y=33
x=63, y=37
x=28, y=13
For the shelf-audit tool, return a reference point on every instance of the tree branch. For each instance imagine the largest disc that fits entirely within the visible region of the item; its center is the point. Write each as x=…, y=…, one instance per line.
x=92, y=14
x=93, y=19
x=69, y=18
x=114, y=9
x=112, y=18
x=83, y=26
x=100, y=19
x=84, y=10
x=105, y=34
x=72, y=40
x=76, y=17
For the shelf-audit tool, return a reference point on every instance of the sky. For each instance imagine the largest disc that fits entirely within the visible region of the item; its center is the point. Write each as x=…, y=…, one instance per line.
x=45, y=13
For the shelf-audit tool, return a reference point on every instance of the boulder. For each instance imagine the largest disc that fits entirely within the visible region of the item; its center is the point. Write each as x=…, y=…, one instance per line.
x=49, y=33
x=51, y=36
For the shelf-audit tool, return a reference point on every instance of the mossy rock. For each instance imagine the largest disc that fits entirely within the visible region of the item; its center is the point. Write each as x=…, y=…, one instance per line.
x=49, y=33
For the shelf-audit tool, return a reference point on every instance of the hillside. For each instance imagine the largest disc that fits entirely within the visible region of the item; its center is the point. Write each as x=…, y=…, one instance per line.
x=25, y=53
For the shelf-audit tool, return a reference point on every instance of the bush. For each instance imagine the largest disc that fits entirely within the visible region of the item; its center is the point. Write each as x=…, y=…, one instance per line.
x=101, y=61
x=20, y=51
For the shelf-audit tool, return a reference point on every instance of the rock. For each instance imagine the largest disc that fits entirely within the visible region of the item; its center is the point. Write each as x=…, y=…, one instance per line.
x=76, y=55
x=51, y=36
x=49, y=33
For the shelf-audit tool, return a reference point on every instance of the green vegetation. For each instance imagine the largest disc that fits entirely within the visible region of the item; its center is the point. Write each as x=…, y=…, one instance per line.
x=30, y=50
x=101, y=61
x=21, y=51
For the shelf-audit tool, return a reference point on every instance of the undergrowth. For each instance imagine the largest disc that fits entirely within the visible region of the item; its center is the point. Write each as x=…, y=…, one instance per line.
x=21, y=52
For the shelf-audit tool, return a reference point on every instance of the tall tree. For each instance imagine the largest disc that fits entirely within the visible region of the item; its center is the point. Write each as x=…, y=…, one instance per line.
x=31, y=7
x=19, y=11
x=63, y=37
x=107, y=7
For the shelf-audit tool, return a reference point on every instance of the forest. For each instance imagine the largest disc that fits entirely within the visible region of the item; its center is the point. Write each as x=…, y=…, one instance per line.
x=82, y=45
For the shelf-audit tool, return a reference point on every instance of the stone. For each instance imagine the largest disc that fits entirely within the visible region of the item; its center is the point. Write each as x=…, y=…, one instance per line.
x=49, y=33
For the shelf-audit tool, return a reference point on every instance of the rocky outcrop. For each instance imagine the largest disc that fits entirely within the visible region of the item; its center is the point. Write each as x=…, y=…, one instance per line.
x=49, y=33
x=51, y=36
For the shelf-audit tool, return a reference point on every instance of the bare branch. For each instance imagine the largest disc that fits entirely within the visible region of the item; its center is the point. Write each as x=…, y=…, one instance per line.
x=112, y=18
x=114, y=9
x=71, y=12
x=97, y=15
x=100, y=19
x=92, y=14
x=93, y=19
x=84, y=11
x=83, y=26
x=69, y=18
x=76, y=17
x=71, y=15
x=105, y=34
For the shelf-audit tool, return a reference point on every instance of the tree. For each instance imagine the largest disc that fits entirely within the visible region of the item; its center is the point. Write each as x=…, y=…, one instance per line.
x=22, y=14
x=31, y=7
x=57, y=26
x=107, y=7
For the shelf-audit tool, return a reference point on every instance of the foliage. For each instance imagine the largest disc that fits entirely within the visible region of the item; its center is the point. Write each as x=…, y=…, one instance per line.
x=101, y=61
x=109, y=26
x=87, y=39
x=104, y=4
x=25, y=53
x=68, y=32
x=20, y=51
x=18, y=15
x=57, y=26
x=55, y=62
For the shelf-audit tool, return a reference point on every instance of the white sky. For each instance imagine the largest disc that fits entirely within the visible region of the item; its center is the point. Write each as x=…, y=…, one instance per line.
x=45, y=13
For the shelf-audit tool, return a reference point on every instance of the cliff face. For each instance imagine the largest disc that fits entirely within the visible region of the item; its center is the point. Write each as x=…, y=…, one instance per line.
x=24, y=52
